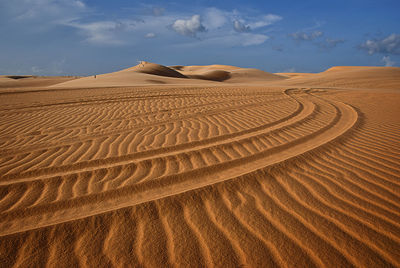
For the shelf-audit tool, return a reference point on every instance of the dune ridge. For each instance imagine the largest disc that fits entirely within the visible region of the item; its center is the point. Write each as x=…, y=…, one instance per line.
x=154, y=69
x=203, y=174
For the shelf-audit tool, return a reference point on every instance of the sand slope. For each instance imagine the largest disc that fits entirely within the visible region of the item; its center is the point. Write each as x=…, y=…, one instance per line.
x=349, y=77
x=202, y=174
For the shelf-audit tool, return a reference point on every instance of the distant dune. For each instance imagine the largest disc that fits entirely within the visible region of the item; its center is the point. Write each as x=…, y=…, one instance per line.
x=23, y=82
x=227, y=73
x=295, y=75
x=201, y=166
x=350, y=77
x=146, y=73
x=154, y=69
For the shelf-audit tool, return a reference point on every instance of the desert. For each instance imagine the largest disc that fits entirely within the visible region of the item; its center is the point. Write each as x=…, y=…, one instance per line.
x=201, y=166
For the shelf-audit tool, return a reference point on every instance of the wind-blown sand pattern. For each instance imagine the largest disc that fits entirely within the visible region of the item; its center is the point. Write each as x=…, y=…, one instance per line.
x=201, y=173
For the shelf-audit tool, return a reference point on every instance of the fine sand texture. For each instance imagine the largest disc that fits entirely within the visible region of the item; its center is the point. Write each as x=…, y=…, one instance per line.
x=202, y=166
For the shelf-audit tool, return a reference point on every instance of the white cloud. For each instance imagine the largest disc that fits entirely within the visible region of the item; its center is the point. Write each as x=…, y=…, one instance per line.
x=225, y=27
x=100, y=32
x=39, y=16
x=242, y=23
x=79, y=4
x=388, y=45
x=303, y=36
x=240, y=27
x=44, y=9
x=253, y=39
x=231, y=40
x=189, y=27
x=150, y=35
x=264, y=21
x=215, y=18
x=387, y=61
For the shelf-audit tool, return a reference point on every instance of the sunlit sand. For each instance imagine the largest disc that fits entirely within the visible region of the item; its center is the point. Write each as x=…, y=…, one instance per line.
x=201, y=166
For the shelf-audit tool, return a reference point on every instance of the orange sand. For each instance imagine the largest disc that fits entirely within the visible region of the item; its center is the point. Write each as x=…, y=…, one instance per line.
x=196, y=166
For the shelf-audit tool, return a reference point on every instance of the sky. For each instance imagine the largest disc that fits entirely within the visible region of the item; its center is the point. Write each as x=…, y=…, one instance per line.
x=86, y=37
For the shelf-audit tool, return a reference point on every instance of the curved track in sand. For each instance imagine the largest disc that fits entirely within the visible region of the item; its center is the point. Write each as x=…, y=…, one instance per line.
x=153, y=173
x=263, y=170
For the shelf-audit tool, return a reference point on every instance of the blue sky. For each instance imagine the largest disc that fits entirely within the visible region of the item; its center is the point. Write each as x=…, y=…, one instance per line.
x=84, y=37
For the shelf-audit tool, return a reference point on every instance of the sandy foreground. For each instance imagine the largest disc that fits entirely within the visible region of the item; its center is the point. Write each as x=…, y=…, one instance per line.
x=157, y=166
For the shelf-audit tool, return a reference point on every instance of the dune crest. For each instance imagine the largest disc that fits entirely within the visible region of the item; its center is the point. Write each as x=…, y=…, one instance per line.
x=154, y=69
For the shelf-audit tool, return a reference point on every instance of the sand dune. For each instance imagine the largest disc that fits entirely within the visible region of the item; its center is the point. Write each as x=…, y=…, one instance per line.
x=295, y=75
x=146, y=73
x=202, y=173
x=154, y=69
x=350, y=77
x=213, y=75
x=227, y=73
x=16, y=83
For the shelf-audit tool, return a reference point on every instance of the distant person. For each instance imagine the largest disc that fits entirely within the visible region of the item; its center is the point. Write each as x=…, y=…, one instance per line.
x=94, y=76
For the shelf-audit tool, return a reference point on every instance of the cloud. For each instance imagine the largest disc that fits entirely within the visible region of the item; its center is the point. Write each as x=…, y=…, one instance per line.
x=100, y=32
x=333, y=42
x=189, y=27
x=313, y=34
x=253, y=39
x=317, y=25
x=303, y=36
x=40, y=10
x=75, y=17
x=388, y=45
x=240, y=27
x=40, y=16
x=387, y=61
x=329, y=43
x=150, y=35
x=264, y=21
x=232, y=40
x=314, y=38
x=215, y=18
x=253, y=23
x=79, y=4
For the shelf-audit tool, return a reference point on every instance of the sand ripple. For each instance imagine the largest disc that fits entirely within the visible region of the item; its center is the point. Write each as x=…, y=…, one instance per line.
x=220, y=176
